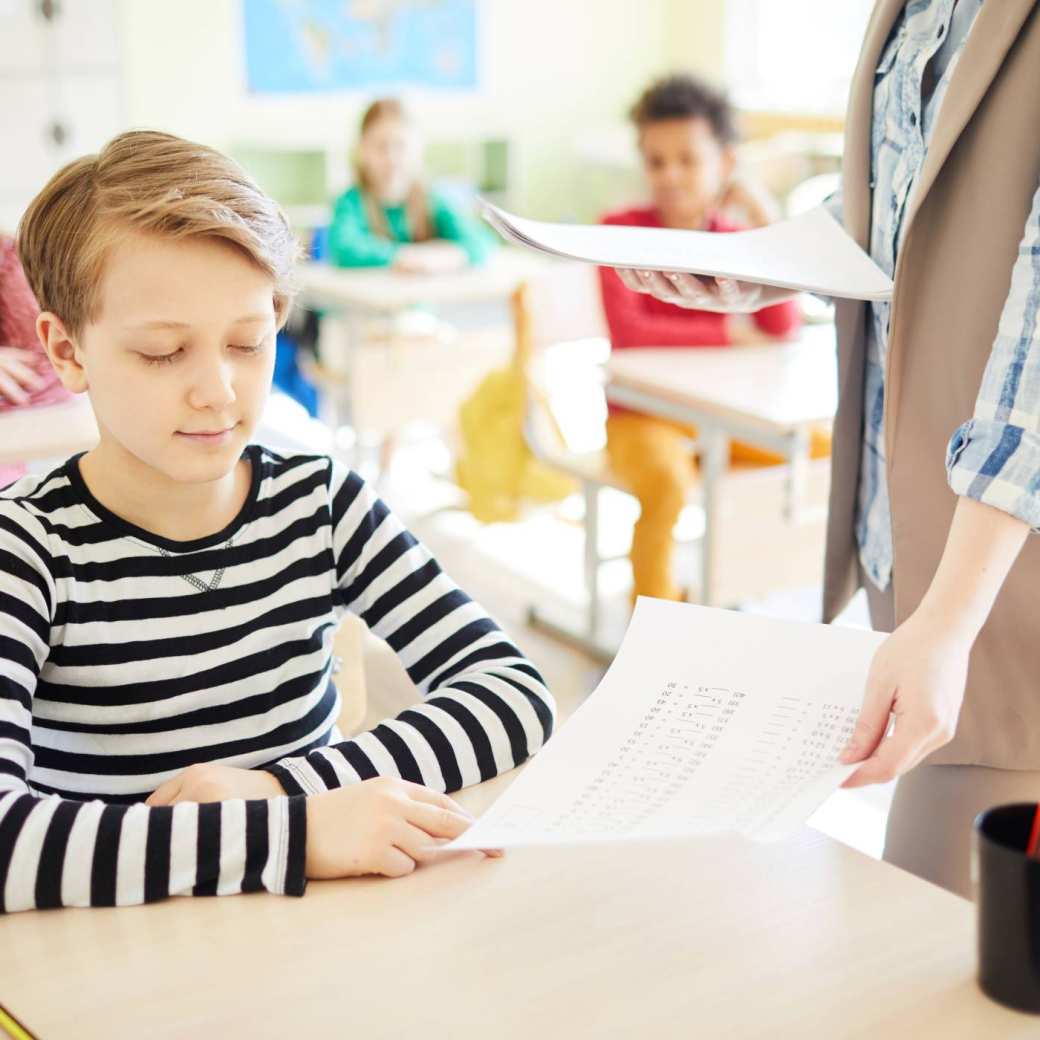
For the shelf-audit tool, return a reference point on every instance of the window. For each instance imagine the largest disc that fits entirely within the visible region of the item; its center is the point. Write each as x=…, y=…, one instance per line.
x=795, y=56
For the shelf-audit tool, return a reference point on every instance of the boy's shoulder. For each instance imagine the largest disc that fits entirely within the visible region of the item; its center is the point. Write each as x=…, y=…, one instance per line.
x=29, y=506
x=288, y=476
x=36, y=492
x=279, y=468
x=276, y=462
x=633, y=216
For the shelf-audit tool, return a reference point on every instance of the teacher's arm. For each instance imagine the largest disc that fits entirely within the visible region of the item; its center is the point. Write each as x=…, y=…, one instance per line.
x=918, y=674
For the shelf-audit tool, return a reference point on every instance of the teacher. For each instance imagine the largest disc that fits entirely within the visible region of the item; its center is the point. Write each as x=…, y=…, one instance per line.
x=936, y=465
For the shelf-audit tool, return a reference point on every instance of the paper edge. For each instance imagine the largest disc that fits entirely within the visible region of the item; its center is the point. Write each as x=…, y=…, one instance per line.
x=500, y=220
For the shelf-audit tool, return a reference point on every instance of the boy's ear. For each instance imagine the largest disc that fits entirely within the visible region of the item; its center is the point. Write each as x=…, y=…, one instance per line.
x=62, y=350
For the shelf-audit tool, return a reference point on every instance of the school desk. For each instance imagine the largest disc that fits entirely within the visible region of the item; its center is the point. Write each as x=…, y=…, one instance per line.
x=769, y=396
x=377, y=368
x=705, y=938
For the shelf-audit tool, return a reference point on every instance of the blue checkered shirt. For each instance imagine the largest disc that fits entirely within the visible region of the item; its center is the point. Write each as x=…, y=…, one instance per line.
x=994, y=457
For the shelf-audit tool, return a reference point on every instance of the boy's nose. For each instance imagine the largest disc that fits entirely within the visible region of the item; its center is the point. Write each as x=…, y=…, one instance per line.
x=214, y=388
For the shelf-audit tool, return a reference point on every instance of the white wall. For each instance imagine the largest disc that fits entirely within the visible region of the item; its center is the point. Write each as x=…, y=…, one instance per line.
x=553, y=71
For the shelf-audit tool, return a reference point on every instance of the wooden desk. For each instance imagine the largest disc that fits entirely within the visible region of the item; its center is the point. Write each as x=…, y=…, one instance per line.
x=709, y=938
x=770, y=396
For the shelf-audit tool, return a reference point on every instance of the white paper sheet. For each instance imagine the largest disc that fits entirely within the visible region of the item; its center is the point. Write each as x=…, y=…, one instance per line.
x=810, y=252
x=707, y=720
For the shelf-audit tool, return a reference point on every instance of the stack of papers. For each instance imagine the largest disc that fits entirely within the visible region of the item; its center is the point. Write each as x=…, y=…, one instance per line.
x=708, y=720
x=809, y=253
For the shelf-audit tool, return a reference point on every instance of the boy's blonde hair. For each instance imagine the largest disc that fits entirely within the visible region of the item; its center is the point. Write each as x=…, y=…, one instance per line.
x=153, y=182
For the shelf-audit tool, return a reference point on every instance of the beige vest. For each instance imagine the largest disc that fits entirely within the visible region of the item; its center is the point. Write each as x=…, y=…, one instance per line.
x=953, y=273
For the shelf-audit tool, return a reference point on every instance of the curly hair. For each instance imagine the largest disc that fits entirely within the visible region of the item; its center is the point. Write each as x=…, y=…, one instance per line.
x=681, y=96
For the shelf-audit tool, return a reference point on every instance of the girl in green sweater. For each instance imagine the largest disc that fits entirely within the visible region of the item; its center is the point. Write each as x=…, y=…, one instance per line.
x=389, y=219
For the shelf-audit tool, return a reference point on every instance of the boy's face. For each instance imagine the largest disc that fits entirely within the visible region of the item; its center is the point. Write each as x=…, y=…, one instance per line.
x=179, y=362
x=686, y=167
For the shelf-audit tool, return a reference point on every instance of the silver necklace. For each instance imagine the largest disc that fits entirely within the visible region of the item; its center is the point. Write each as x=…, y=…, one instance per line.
x=197, y=582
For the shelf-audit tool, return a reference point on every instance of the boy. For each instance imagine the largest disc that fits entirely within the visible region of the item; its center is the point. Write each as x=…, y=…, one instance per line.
x=686, y=141
x=168, y=600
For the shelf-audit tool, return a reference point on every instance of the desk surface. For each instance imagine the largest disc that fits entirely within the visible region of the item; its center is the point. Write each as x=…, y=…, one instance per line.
x=779, y=387
x=382, y=289
x=53, y=431
x=704, y=938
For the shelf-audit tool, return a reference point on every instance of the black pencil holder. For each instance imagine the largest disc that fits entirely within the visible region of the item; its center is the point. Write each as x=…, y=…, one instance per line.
x=1008, y=906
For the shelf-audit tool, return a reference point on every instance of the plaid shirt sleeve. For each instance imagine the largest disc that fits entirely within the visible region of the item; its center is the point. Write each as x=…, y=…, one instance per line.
x=994, y=458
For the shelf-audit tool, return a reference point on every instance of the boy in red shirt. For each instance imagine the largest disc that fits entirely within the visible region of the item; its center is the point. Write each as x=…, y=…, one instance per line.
x=686, y=140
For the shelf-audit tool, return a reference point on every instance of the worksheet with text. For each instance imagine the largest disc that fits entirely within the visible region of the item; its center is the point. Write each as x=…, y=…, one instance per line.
x=708, y=720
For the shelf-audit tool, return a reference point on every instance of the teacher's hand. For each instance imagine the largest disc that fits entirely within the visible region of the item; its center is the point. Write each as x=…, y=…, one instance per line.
x=725, y=295
x=917, y=676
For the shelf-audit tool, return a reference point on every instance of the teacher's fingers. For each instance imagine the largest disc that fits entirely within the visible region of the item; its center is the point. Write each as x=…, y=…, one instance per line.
x=684, y=290
x=739, y=296
x=630, y=279
x=909, y=742
x=692, y=291
x=873, y=718
x=657, y=283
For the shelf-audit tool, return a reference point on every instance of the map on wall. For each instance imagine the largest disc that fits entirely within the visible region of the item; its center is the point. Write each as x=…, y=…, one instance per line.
x=299, y=46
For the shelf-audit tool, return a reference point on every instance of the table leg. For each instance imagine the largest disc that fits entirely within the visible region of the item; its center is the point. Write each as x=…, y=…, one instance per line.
x=715, y=461
x=592, y=560
x=798, y=454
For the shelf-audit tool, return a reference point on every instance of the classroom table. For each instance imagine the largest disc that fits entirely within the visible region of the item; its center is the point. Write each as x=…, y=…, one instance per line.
x=382, y=290
x=354, y=298
x=771, y=396
x=704, y=938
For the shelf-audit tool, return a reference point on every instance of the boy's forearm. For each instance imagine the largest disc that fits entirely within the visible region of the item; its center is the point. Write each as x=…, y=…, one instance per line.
x=121, y=855
x=981, y=547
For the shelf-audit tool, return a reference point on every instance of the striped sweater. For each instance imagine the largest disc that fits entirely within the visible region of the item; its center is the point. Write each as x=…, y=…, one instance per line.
x=126, y=657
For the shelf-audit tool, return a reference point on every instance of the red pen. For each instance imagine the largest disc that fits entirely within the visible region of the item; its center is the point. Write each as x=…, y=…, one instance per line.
x=1034, y=834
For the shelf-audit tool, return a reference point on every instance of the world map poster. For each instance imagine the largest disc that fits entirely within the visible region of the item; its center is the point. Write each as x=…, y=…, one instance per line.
x=312, y=46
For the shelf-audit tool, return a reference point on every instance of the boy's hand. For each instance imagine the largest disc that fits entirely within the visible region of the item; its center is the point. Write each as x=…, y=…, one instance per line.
x=380, y=826
x=755, y=206
x=210, y=782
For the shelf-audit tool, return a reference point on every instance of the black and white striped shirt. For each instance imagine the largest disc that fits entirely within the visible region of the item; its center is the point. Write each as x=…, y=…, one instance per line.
x=126, y=657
